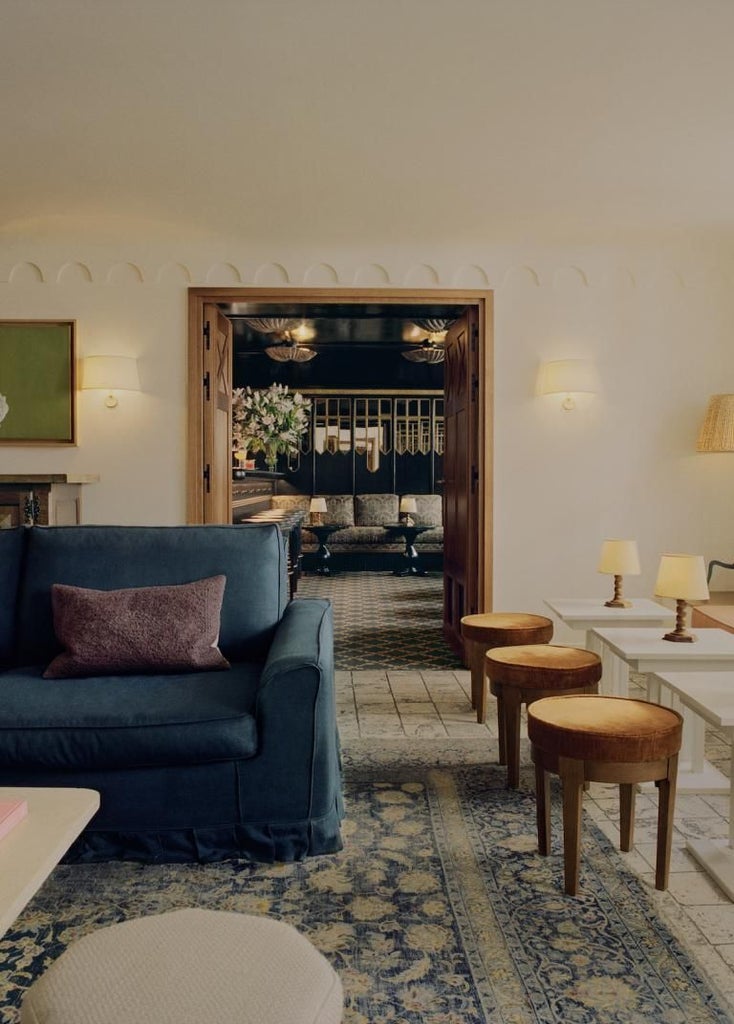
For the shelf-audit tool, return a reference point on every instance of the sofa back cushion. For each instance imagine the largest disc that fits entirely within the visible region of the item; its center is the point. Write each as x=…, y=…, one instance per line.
x=251, y=556
x=375, y=509
x=291, y=502
x=339, y=509
x=11, y=552
x=429, y=509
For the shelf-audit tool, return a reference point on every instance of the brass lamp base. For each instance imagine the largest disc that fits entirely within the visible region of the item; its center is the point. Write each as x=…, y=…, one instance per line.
x=679, y=634
x=680, y=638
x=617, y=601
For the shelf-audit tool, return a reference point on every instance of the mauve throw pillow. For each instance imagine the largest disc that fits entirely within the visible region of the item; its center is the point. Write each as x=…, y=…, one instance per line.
x=141, y=629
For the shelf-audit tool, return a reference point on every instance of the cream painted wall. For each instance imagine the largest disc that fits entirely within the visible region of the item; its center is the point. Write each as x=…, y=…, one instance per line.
x=658, y=325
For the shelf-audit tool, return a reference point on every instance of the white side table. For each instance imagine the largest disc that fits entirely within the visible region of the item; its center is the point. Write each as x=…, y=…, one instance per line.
x=711, y=696
x=644, y=650
x=31, y=850
x=590, y=613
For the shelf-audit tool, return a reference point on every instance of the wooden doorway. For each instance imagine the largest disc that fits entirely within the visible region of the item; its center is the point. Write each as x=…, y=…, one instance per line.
x=469, y=393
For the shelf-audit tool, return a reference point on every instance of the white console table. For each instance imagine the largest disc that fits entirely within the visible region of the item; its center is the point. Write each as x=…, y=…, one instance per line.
x=590, y=613
x=644, y=650
x=33, y=848
x=711, y=696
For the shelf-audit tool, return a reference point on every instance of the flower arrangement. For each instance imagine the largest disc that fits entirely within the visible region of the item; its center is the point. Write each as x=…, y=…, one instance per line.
x=272, y=420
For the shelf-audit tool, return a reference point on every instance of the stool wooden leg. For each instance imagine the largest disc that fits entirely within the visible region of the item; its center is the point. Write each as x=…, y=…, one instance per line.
x=542, y=800
x=571, y=773
x=626, y=816
x=472, y=648
x=501, y=726
x=481, y=704
x=666, y=812
x=512, y=704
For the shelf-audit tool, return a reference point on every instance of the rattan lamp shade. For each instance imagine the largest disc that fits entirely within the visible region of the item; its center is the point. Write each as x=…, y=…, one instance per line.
x=717, y=430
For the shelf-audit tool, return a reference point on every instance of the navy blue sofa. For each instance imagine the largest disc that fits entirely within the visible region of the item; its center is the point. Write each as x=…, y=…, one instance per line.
x=198, y=766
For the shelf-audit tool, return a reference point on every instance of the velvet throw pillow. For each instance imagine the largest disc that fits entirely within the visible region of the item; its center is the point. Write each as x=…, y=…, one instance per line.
x=141, y=629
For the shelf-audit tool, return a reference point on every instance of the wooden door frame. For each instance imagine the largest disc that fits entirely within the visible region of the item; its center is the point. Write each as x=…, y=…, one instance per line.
x=482, y=300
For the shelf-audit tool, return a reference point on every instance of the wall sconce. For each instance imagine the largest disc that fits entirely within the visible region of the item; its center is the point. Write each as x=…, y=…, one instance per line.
x=717, y=430
x=619, y=558
x=110, y=373
x=316, y=508
x=568, y=377
x=682, y=577
x=408, y=508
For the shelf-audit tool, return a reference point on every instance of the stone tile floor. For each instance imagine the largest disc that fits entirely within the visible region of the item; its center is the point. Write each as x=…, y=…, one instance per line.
x=420, y=704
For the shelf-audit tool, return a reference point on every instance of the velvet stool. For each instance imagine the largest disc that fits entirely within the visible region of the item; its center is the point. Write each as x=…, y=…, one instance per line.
x=586, y=739
x=497, y=629
x=526, y=673
x=187, y=967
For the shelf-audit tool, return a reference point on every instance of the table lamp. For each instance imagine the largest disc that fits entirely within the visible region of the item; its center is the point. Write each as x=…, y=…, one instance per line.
x=316, y=510
x=408, y=506
x=619, y=558
x=682, y=577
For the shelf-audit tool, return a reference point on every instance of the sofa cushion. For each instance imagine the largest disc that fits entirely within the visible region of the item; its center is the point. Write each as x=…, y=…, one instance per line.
x=429, y=509
x=126, y=721
x=139, y=629
x=339, y=509
x=291, y=502
x=375, y=509
x=251, y=556
x=369, y=536
x=11, y=550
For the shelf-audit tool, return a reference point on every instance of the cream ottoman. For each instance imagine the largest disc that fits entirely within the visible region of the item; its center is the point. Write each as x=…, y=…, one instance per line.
x=188, y=967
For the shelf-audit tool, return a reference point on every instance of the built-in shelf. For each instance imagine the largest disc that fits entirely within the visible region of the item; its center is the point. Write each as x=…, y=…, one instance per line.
x=56, y=496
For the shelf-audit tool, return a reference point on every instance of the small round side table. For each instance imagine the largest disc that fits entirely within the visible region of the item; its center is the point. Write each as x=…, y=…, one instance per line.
x=411, y=564
x=323, y=531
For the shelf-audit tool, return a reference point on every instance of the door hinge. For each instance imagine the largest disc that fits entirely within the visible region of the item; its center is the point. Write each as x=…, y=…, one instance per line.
x=208, y=477
x=208, y=334
x=207, y=386
x=474, y=387
x=474, y=478
x=474, y=337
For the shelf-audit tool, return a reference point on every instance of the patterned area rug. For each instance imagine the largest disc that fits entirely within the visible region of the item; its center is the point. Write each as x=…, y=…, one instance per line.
x=439, y=909
x=385, y=621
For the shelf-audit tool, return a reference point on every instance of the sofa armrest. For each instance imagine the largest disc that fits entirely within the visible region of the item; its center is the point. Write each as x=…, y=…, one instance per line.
x=298, y=745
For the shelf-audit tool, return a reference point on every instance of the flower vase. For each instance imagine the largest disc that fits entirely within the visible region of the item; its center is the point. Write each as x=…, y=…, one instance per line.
x=271, y=459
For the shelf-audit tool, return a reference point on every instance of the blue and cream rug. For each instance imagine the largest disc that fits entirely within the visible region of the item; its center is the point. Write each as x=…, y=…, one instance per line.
x=439, y=909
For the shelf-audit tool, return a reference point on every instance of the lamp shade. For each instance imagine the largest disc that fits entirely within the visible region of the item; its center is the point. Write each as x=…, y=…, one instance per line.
x=317, y=505
x=564, y=376
x=619, y=558
x=717, y=430
x=110, y=373
x=682, y=577
x=408, y=505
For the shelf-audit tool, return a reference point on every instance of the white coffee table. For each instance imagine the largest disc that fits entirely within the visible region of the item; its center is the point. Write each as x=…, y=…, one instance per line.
x=644, y=650
x=711, y=696
x=31, y=850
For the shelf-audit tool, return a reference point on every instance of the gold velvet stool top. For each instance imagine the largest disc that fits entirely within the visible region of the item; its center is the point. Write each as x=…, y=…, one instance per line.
x=587, y=738
x=497, y=629
x=526, y=673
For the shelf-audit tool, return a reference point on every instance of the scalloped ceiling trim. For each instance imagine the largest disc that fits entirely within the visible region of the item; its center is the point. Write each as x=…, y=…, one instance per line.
x=124, y=273
x=223, y=274
x=271, y=275
x=74, y=273
x=25, y=273
x=173, y=273
x=422, y=275
x=371, y=275
x=321, y=275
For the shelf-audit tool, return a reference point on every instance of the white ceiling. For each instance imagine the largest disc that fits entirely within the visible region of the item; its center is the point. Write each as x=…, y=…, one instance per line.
x=462, y=122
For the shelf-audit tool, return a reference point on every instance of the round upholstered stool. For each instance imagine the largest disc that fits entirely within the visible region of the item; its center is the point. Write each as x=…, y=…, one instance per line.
x=604, y=739
x=497, y=629
x=523, y=674
x=186, y=967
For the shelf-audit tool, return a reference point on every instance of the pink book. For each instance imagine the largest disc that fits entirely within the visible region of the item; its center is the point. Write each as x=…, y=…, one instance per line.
x=11, y=812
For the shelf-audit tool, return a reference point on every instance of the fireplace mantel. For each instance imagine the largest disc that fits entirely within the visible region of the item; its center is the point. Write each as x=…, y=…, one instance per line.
x=57, y=497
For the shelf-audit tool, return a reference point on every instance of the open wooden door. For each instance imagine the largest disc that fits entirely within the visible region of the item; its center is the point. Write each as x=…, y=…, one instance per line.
x=461, y=475
x=217, y=416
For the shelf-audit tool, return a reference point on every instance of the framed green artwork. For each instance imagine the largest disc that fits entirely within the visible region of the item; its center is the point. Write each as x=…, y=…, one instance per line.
x=37, y=382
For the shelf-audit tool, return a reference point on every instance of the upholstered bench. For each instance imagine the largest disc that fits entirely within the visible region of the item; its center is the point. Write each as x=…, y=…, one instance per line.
x=187, y=967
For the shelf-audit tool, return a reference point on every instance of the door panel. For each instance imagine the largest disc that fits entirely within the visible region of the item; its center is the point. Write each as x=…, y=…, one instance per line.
x=217, y=419
x=461, y=476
